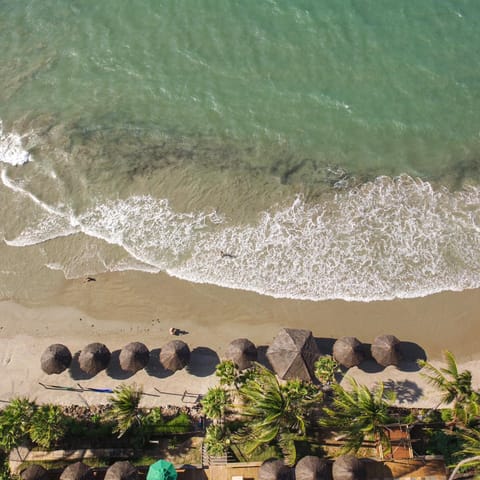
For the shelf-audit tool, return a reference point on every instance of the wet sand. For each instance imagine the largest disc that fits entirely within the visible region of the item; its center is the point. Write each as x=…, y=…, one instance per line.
x=125, y=306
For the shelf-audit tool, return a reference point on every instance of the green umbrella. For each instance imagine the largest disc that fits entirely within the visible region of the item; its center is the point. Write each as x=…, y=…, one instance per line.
x=162, y=470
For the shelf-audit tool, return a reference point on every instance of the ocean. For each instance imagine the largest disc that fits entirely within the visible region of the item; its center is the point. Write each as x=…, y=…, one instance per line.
x=306, y=149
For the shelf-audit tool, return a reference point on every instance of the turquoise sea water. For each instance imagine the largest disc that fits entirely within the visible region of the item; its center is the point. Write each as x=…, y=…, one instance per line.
x=331, y=148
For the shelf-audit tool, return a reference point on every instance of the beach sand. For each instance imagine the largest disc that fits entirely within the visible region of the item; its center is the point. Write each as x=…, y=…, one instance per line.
x=121, y=307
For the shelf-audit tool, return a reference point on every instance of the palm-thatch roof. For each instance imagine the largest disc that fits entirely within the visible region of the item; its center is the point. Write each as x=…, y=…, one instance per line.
x=274, y=469
x=242, y=352
x=121, y=471
x=385, y=350
x=77, y=471
x=311, y=468
x=175, y=355
x=34, y=472
x=94, y=358
x=134, y=356
x=348, y=467
x=55, y=359
x=347, y=351
x=293, y=353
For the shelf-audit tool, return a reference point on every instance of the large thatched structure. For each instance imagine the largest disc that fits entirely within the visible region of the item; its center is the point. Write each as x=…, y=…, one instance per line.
x=385, y=350
x=55, y=359
x=121, y=471
x=311, y=468
x=77, y=471
x=175, y=355
x=348, y=467
x=34, y=472
x=293, y=353
x=242, y=352
x=94, y=358
x=347, y=352
x=274, y=469
x=134, y=357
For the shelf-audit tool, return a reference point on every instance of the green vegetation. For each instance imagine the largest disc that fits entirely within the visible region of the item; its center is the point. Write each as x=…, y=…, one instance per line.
x=360, y=414
x=326, y=367
x=215, y=403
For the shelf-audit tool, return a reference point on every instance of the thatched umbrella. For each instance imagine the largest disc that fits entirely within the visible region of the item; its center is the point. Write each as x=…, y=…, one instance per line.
x=274, y=469
x=293, y=353
x=385, y=350
x=311, y=468
x=134, y=356
x=348, y=467
x=94, y=358
x=77, y=471
x=242, y=352
x=121, y=471
x=347, y=351
x=175, y=355
x=34, y=472
x=55, y=359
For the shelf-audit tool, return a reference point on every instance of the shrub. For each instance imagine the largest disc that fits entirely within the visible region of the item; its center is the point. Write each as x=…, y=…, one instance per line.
x=47, y=425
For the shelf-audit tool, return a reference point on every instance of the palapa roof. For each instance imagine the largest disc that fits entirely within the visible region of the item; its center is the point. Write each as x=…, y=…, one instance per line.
x=34, y=472
x=55, y=359
x=311, y=468
x=242, y=352
x=348, y=467
x=94, y=358
x=274, y=469
x=121, y=471
x=385, y=350
x=134, y=357
x=77, y=471
x=175, y=355
x=293, y=353
x=347, y=351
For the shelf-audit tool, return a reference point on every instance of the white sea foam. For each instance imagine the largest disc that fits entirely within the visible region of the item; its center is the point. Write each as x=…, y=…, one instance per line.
x=391, y=238
x=11, y=150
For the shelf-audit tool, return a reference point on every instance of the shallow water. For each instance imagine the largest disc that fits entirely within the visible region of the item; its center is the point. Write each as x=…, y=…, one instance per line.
x=330, y=149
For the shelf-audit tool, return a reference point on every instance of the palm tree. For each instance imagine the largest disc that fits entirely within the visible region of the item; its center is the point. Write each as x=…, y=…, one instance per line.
x=274, y=412
x=125, y=411
x=47, y=425
x=360, y=414
x=325, y=369
x=215, y=403
x=15, y=422
x=227, y=372
x=456, y=387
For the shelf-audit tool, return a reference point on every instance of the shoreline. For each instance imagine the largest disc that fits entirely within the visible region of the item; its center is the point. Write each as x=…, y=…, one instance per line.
x=121, y=307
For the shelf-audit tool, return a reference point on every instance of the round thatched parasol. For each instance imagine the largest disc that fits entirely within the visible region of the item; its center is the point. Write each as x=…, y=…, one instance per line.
x=347, y=351
x=348, y=467
x=293, y=353
x=134, y=356
x=311, y=468
x=77, y=471
x=121, y=471
x=55, y=359
x=94, y=358
x=274, y=469
x=242, y=352
x=175, y=355
x=385, y=350
x=34, y=472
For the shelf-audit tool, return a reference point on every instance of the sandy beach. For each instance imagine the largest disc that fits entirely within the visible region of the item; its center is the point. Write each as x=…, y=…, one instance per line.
x=125, y=306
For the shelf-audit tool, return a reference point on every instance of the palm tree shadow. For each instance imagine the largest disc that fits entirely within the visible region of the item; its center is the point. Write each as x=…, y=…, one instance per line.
x=203, y=362
x=114, y=368
x=154, y=368
x=75, y=371
x=406, y=391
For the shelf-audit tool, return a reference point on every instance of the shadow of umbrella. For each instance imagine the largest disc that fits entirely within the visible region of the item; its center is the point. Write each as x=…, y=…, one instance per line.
x=203, y=362
x=114, y=368
x=411, y=353
x=154, y=368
